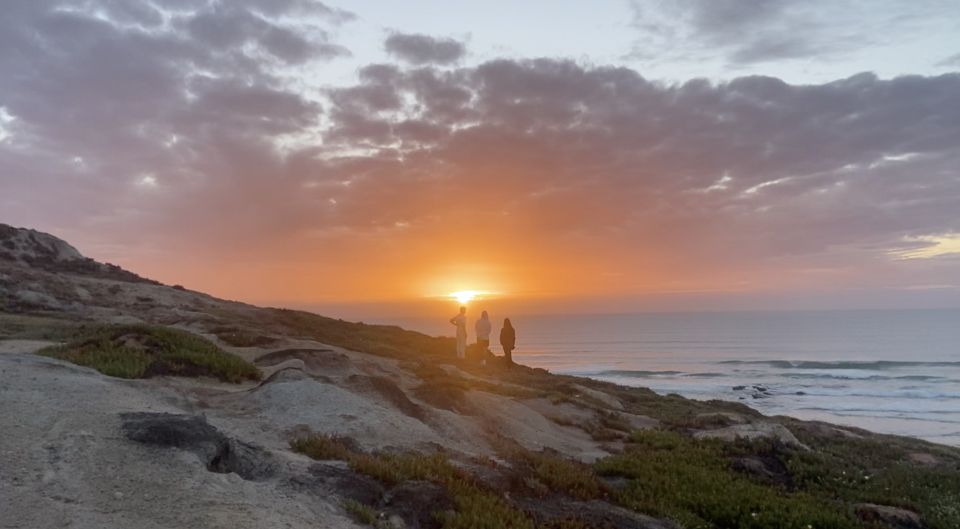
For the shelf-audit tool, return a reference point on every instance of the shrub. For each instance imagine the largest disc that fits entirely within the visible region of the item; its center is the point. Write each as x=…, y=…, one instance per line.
x=142, y=351
x=565, y=476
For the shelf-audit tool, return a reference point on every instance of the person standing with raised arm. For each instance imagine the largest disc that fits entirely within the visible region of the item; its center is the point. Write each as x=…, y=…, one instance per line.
x=460, y=321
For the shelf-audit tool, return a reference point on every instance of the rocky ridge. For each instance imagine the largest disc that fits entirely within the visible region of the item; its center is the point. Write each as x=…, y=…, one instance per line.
x=88, y=450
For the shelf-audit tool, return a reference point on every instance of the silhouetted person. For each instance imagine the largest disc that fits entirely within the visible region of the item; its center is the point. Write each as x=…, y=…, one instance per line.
x=483, y=329
x=460, y=320
x=508, y=340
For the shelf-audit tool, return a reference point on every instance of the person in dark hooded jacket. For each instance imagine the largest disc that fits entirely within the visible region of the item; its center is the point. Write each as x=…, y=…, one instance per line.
x=508, y=340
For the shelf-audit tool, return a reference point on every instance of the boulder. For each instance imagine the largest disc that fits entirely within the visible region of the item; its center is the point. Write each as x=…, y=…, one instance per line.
x=893, y=517
x=767, y=469
x=755, y=430
x=606, y=399
x=194, y=434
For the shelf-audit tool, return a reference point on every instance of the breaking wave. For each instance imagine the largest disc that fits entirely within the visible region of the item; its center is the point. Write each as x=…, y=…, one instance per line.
x=840, y=364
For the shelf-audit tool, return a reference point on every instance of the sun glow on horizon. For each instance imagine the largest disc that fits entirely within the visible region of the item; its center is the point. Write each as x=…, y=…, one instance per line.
x=466, y=296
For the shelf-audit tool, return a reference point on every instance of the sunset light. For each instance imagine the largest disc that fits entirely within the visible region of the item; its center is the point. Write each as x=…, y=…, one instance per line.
x=685, y=245
x=466, y=296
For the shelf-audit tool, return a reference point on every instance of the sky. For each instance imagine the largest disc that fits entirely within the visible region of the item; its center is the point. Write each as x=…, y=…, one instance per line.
x=365, y=156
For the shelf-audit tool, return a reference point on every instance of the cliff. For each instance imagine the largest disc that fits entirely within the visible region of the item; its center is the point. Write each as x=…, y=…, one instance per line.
x=130, y=403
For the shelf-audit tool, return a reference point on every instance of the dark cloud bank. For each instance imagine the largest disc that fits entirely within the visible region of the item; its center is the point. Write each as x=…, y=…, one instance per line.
x=181, y=121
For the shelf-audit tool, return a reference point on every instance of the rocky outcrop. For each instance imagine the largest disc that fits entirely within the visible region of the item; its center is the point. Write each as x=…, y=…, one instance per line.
x=892, y=517
x=87, y=450
x=590, y=513
x=31, y=246
x=42, y=251
x=754, y=430
x=194, y=434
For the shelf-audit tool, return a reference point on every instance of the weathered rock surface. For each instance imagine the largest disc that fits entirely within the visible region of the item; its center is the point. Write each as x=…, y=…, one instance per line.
x=593, y=513
x=67, y=461
x=195, y=434
x=754, y=430
x=31, y=246
x=892, y=517
x=43, y=251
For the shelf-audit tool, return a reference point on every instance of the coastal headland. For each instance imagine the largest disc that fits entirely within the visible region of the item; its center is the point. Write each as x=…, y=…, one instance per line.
x=129, y=403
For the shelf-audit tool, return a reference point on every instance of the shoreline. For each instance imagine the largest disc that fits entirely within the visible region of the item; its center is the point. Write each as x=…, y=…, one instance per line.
x=903, y=426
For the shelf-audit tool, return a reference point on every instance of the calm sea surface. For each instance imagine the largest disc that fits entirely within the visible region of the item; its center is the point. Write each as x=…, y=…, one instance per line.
x=888, y=371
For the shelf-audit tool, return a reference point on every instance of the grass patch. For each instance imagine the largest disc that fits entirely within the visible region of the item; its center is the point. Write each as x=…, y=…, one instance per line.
x=142, y=351
x=878, y=470
x=703, y=421
x=324, y=447
x=383, y=340
x=558, y=474
x=475, y=506
x=393, y=469
x=120, y=362
x=441, y=389
x=238, y=337
x=29, y=327
x=691, y=482
x=361, y=513
x=447, y=390
x=614, y=421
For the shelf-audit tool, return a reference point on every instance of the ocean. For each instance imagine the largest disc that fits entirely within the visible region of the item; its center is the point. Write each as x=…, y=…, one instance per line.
x=890, y=371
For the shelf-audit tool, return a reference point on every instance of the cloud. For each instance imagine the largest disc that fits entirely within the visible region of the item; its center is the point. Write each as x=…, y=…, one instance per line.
x=745, y=32
x=628, y=171
x=608, y=133
x=731, y=17
x=193, y=136
x=953, y=60
x=423, y=49
x=929, y=246
x=225, y=26
x=182, y=101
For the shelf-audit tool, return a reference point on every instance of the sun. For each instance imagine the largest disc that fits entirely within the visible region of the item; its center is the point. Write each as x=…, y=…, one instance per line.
x=465, y=296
